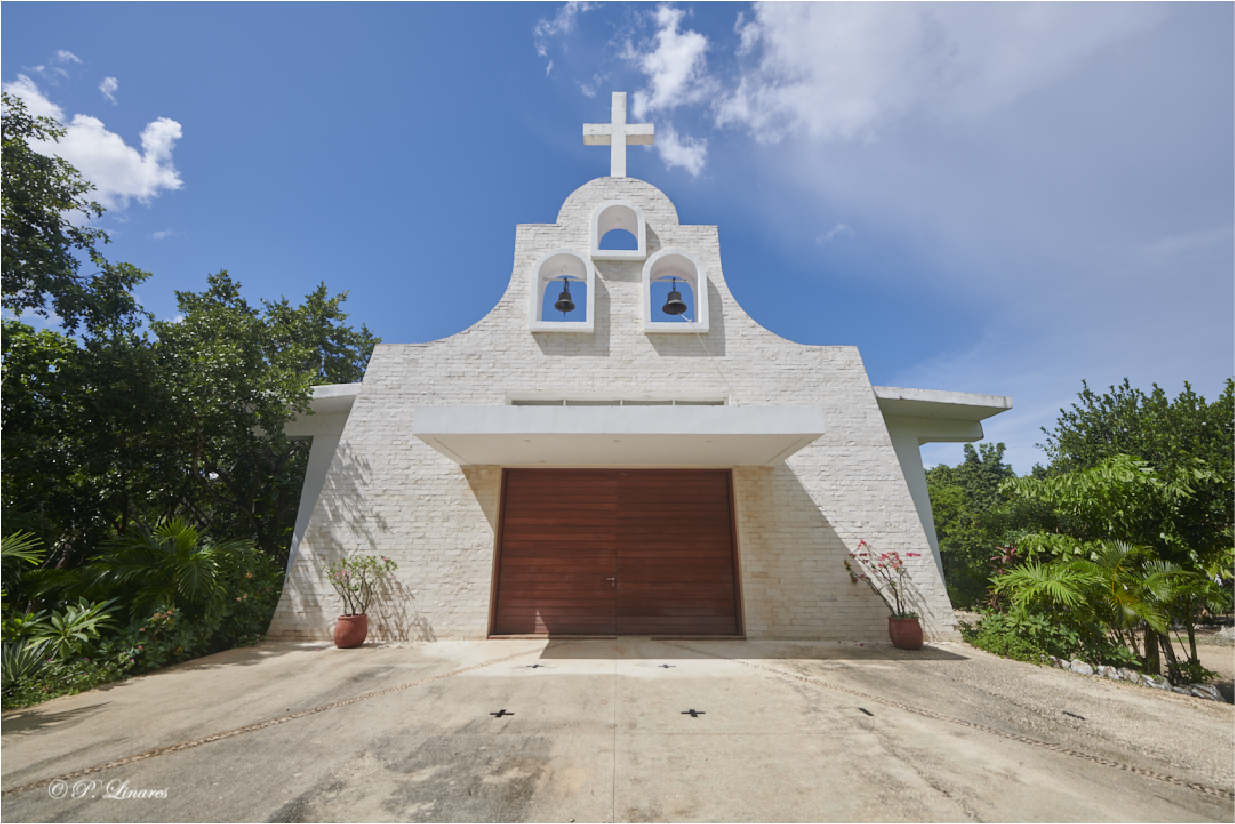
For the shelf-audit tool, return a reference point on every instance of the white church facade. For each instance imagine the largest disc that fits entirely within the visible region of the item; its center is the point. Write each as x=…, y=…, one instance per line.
x=617, y=469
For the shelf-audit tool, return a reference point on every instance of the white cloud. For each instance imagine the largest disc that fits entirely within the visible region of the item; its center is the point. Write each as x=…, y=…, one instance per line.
x=838, y=229
x=563, y=23
x=36, y=103
x=108, y=88
x=749, y=32
x=57, y=71
x=163, y=235
x=590, y=89
x=119, y=171
x=841, y=70
x=688, y=152
x=676, y=66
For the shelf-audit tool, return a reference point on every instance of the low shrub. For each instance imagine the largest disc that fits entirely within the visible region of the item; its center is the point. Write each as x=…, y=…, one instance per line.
x=56, y=678
x=1037, y=638
x=95, y=653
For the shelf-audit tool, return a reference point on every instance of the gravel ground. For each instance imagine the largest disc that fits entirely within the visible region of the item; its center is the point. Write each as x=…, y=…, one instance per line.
x=598, y=730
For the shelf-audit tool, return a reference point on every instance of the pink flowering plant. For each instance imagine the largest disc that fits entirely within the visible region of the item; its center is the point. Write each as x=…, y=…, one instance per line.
x=357, y=580
x=886, y=574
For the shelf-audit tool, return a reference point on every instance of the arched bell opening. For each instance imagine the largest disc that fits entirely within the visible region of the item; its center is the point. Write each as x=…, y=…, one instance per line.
x=619, y=240
x=564, y=301
x=563, y=293
x=618, y=231
x=671, y=298
x=675, y=287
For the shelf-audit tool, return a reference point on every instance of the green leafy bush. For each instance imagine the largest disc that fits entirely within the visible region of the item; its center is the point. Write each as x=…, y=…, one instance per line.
x=56, y=678
x=72, y=631
x=66, y=651
x=20, y=660
x=1037, y=638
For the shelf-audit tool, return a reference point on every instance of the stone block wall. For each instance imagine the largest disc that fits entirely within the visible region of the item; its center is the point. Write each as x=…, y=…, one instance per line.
x=387, y=493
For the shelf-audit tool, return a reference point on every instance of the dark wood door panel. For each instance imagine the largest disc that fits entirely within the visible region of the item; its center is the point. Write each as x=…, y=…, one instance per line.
x=601, y=552
x=557, y=554
x=675, y=553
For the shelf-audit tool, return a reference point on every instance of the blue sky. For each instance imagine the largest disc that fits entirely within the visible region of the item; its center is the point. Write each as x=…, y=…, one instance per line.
x=995, y=198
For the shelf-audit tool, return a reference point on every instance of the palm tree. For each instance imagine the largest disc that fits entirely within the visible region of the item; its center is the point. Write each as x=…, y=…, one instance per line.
x=169, y=567
x=1131, y=594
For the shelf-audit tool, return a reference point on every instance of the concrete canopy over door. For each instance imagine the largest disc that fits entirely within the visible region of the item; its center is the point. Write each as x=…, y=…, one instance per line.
x=613, y=436
x=616, y=552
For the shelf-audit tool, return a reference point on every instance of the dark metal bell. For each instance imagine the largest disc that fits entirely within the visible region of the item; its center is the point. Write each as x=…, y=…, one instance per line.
x=564, y=303
x=674, y=305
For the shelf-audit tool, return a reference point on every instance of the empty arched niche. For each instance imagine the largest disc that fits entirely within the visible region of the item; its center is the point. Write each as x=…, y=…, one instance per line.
x=553, y=272
x=679, y=269
x=619, y=214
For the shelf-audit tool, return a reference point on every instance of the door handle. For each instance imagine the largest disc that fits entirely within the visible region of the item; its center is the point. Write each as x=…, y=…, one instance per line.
x=612, y=579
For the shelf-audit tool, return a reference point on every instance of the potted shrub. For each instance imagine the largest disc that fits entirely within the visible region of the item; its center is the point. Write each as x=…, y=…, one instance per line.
x=887, y=576
x=356, y=580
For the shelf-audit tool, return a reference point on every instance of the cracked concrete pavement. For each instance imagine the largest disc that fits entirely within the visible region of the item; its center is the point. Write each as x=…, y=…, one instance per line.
x=791, y=731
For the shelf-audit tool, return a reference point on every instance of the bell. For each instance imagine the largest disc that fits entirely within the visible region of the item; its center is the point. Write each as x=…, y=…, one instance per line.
x=674, y=305
x=564, y=303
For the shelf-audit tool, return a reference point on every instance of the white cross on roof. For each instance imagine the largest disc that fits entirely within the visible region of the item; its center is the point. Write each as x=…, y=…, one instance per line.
x=617, y=135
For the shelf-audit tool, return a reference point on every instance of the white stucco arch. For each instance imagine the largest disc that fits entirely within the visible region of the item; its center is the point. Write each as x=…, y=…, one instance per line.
x=679, y=263
x=554, y=265
x=619, y=214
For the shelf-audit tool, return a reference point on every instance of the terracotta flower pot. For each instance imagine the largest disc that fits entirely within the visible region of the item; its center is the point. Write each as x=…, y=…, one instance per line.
x=905, y=633
x=350, y=631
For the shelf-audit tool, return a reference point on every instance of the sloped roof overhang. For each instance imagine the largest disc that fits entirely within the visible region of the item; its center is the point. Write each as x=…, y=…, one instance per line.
x=614, y=436
x=935, y=416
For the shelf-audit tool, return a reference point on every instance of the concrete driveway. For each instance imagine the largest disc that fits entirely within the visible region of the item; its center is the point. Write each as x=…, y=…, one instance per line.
x=595, y=731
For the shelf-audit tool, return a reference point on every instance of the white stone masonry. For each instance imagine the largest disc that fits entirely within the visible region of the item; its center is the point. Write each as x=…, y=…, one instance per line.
x=389, y=493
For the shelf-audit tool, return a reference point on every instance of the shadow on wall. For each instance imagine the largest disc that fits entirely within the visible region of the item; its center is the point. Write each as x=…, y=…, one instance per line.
x=486, y=485
x=342, y=498
x=653, y=243
x=776, y=517
x=394, y=616
x=836, y=549
x=349, y=529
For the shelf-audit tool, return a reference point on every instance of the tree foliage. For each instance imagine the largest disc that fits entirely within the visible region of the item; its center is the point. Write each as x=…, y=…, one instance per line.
x=186, y=419
x=1122, y=498
x=45, y=232
x=119, y=420
x=1178, y=439
x=1125, y=537
x=128, y=439
x=968, y=523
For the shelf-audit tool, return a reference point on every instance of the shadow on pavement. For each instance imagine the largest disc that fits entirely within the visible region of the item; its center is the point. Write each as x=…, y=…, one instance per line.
x=642, y=648
x=34, y=719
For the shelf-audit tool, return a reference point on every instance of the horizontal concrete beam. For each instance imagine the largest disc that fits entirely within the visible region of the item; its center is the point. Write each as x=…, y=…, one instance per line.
x=618, y=435
x=895, y=401
x=331, y=405
x=934, y=430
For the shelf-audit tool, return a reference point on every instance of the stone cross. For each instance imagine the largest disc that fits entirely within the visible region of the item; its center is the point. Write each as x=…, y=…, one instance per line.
x=617, y=135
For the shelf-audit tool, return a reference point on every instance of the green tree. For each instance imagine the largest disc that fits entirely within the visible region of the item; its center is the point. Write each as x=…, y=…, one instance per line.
x=1171, y=436
x=120, y=429
x=968, y=521
x=119, y=420
x=46, y=232
x=236, y=374
x=1113, y=520
x=167, y=567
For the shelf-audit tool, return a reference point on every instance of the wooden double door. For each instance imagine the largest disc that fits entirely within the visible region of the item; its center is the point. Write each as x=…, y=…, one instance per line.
x=616, y=552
